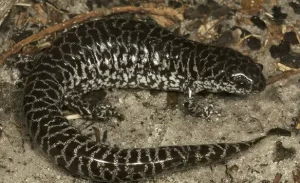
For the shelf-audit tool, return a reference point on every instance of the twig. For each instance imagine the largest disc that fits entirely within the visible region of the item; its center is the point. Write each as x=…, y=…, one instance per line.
x=281, y=76
x=23, y=4
x=167, y=12
x=41, y=13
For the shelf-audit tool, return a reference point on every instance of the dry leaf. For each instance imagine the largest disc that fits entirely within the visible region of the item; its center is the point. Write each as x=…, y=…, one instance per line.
x=251, y=6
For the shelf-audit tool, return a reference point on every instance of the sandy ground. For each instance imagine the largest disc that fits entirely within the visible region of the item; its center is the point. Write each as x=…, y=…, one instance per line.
x=151, y=122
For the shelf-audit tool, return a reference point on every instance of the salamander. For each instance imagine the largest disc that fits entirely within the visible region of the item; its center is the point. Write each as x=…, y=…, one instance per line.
x=121, y=53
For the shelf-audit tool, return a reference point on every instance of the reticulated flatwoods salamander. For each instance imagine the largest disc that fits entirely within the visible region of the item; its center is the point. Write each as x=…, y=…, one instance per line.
x=120, y=53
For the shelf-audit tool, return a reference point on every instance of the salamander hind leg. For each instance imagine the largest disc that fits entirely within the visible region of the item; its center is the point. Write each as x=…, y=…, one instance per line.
x=25, y=63
x=90, y=108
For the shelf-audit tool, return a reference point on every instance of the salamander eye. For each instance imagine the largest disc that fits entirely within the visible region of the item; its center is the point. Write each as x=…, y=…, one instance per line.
x=241, y=80
x=242, y=83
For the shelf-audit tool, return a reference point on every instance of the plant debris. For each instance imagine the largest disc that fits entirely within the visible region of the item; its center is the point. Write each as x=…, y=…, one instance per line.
x=280, y=50
x=286, y=56
x=252, y=6
x=278, y=16
x=252, y=41
x=258, y=22
x=291, y=37
x=296, y=7
x=284, y=75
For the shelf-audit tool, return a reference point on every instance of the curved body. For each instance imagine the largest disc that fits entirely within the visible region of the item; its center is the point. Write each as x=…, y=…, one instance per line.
x=128, y=54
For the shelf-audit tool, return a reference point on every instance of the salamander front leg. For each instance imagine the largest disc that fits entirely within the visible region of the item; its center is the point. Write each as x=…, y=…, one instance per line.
x=91, y=109
x=195, y=109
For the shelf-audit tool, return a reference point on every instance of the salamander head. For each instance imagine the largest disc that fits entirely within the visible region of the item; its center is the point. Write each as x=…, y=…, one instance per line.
x=244, y=79
x=237, y=74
